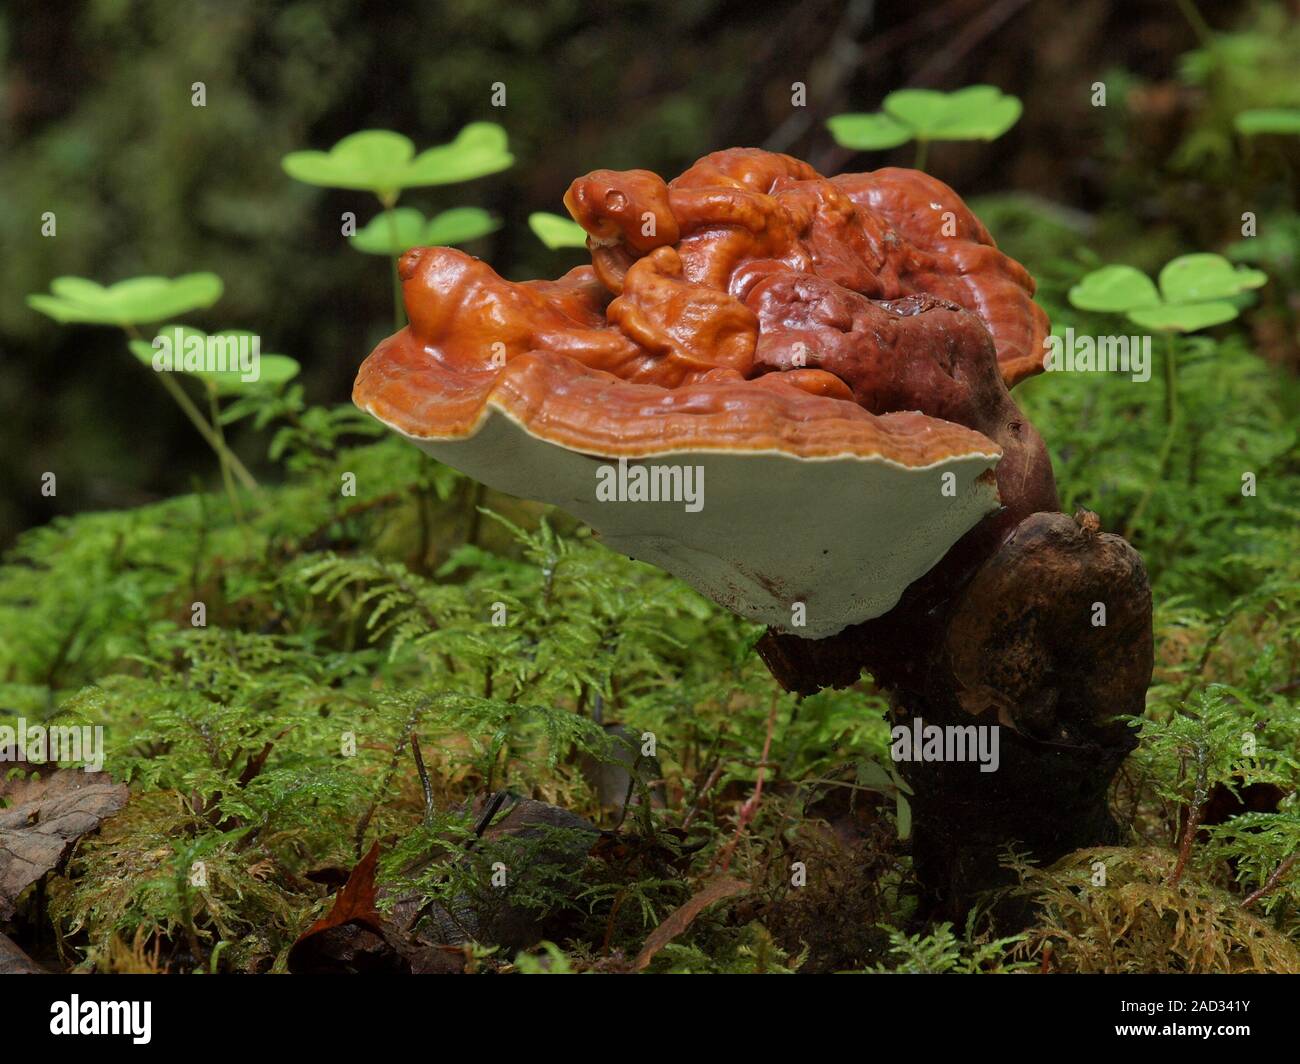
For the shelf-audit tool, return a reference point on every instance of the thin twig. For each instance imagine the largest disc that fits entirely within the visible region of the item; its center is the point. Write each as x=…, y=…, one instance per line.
x=1271, y=884
x=1193, y=823
x=425, y=785
x=364, y=823
x=494, y=803
x=699, y=797
x=750, y=809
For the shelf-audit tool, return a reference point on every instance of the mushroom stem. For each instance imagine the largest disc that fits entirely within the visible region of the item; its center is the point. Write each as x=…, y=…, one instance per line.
x=1048, y=641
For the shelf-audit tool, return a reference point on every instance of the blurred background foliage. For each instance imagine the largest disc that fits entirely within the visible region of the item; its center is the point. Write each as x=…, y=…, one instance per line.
x=98, y=126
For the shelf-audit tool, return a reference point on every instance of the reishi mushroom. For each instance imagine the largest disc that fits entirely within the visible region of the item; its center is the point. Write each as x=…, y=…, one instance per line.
x=762, y=329
x=830, y=361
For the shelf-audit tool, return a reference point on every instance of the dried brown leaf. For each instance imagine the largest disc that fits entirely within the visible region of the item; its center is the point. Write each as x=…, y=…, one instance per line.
x=678, y=921
x=46, y=815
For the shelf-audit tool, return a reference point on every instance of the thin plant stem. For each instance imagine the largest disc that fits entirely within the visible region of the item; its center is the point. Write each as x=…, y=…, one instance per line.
x=389, y=201
x=922, y=153
x=475, y=513
x=223, y=456
x=206, y=431
x=750, y=808
x=200, y=422
x=1171, y=433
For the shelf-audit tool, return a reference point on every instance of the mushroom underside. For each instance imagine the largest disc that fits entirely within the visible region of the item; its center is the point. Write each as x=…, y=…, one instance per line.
x=767, y=534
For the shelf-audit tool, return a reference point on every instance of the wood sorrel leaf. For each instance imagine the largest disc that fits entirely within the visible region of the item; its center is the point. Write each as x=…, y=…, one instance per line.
x=460, y=224
x=393, y=232
x=977, y=112
x=384, y=162
x=868, y=132
x=1114, y=289
x=137, y=301
x=223, y=359
x=390, y=232
x=1183, y=317
x=1200, y=277
x=555, y=231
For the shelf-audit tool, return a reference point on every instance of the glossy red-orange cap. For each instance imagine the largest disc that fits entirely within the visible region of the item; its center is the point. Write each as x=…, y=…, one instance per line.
x=892, y=233
x=543, y=353
x=855, y=451
x=947, y=252
x=775, y=487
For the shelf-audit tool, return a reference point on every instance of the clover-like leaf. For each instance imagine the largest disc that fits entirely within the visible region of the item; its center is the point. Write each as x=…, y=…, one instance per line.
x=556, y=231
x=384, y=162
x=373, y=159
x=479, y=149
x=1183, y=317
x=225, y=360
x=459, y=225
x=868, y=132
x=402, y=228
x=137, y=301
x=977, y=112
x=1283, y=120
x=390, y=232
x=1115, y=289
x=1196, y=291
x=1200, y=277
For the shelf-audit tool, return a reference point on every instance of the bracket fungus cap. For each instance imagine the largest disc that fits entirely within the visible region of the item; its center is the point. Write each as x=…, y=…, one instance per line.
x=743, y=389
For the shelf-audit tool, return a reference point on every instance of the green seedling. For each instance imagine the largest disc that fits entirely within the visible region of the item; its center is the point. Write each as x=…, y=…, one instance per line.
x=144, y=301
x=183, y=342
x=385, y=163
x=1195, y=292
x=138, y=301
x=978, y=112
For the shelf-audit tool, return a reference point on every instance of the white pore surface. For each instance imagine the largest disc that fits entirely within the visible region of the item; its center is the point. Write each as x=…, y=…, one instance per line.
x=844, y=536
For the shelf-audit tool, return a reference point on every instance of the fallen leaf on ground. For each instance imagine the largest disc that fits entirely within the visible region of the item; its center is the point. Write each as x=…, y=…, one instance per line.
x=418, y=935
x=350, y=937
x=679, y=920
x=14, y=961
x=45, y=816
